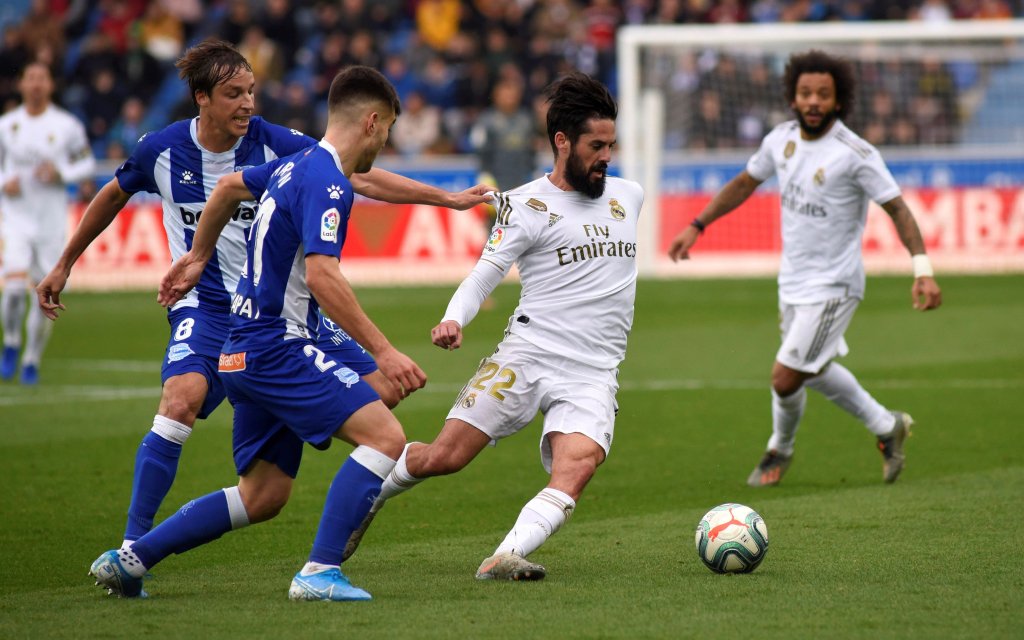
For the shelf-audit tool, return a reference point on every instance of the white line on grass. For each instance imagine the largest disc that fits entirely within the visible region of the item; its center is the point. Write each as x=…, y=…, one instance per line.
x=17, y=396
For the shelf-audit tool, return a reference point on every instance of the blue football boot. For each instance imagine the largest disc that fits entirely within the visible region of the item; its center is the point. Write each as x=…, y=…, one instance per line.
x=330, y=584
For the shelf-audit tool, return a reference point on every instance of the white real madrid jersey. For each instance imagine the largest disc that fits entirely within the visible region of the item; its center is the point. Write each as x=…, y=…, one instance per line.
x=577, y=263
x=26, y=141
x=825, y=186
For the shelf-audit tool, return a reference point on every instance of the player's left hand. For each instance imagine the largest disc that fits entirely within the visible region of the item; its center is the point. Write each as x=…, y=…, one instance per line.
x=447, y=335
x=925, y=294
x=47, y=173
x=479, y=194
x=180, y=279
x=48, y=293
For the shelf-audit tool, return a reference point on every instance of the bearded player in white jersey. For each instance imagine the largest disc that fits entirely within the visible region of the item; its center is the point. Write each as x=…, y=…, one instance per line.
x=43, y=148
x=826, y=176
x=572, y=235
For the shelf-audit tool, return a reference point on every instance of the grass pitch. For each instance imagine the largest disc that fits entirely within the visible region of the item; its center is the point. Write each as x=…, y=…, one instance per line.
x=935, y=555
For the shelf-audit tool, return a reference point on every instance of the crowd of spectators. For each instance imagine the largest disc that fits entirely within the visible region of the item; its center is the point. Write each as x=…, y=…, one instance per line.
x=446, y=57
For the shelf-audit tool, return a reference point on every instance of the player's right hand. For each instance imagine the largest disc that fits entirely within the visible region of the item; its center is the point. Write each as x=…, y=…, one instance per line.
x=181, y=278
x=48, y=293
x=681, y=244
x=12, y=187
x=401, y=370
x=447, y=335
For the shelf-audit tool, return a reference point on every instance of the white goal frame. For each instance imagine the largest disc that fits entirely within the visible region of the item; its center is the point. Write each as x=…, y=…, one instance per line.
x=640, y=120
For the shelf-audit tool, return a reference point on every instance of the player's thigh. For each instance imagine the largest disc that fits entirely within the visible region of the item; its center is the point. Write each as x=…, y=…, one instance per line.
x=812, y=334
x=196, y=338
x=580, y=404
x=17, y=250
x=502, y=396
x=373, y=425
x=45, y=254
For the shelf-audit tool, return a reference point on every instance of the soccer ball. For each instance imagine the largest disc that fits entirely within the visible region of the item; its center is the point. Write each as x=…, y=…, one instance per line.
x=732, y=538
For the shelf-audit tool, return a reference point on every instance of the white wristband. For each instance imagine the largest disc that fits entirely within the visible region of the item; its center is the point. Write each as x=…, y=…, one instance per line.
x=922, y=266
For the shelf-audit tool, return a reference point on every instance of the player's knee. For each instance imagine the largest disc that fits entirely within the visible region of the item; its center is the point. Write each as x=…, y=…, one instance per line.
x=389, y=440
x=786, y=381
x=265, y=501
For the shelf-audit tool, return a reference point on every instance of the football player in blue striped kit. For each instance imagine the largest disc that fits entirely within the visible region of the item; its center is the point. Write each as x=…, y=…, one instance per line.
x=286, y=391
x=182, y=163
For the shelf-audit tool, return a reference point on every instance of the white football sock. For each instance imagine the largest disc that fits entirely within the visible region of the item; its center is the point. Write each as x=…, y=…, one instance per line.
x=786, y=414
x=130, y=561
x=37, y=334
x=315, y=567
x=12, y=311
x=841, y=387
x=398, y=481
x=539, y=520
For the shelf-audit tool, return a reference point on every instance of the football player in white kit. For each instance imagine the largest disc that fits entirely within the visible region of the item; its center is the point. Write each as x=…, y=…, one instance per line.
x=43, y=148
x=572, y=234
x=826, y=176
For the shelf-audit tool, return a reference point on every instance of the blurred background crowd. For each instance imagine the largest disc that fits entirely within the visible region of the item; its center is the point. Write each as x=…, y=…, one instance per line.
x=466, y=70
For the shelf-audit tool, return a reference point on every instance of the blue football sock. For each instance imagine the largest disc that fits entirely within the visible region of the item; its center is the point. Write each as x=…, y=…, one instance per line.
x=348, y=501
x=156, y=464
x=200, y=521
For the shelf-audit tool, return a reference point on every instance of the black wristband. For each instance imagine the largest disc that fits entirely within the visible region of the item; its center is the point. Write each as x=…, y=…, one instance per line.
x=697, y=223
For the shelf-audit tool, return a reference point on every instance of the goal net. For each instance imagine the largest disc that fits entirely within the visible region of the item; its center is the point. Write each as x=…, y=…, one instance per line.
x=942, y=103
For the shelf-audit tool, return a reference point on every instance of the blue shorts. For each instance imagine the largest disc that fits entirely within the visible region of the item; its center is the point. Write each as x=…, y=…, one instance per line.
x=285, y=395
x=197, y=336
x=342, y=347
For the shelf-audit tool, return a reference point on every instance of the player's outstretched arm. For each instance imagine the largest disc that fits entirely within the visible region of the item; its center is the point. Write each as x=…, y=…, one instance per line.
x=98, y=215
x=185, y=272
x=925, y=292
x=385, y=186
x=337, y=299
x=732, y=195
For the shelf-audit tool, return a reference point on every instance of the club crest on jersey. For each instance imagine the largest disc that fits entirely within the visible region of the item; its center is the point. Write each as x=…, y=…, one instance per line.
x=469, y=401
x=329, y=226
x=617, y=211
x=789, y=150
x=819, y=177
x=51, y=138
x=178, y=352
x=553, y=218
x=187, y=178
x=334, y=191
x=494, y=240
x=536, y=205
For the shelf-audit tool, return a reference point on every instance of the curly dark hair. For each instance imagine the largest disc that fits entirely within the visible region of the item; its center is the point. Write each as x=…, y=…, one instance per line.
x=815, y=61
x=574, y=100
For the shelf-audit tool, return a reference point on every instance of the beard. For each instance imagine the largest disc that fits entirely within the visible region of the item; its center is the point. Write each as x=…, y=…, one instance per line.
x=579, y=178
x=827, y=119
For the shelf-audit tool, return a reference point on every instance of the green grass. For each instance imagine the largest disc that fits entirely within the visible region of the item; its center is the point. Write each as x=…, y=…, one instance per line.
x=935, y=555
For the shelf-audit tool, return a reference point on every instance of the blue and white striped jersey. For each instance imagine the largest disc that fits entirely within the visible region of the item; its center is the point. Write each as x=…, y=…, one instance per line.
x=304, y=210
x=171, y=163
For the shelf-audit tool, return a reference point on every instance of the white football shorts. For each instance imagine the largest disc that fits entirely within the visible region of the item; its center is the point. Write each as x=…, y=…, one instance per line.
x=812, y=334
x=27, y=252
x=518, y=380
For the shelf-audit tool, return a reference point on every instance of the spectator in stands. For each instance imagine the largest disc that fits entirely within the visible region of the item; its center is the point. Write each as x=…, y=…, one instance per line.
x=278, y=23
x=102, y=105
x=418, y=131
x=503, y=139
x=128, y=128
x=42, y=27
x=329, y=62
x=14, y=55
x=294, y=109
x=263, y=54
x=437, y=22
x=161, y=32
x=236, y=21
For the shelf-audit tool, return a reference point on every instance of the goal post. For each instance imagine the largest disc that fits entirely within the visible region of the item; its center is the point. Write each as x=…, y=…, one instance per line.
x=942, y=102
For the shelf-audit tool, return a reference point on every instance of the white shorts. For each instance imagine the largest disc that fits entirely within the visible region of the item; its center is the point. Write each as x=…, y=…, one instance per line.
x=25, y=252
x=812, y=334
x=511, y=386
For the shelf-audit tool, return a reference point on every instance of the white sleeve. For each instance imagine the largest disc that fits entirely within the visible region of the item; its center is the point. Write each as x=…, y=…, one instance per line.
x=761, y=165
x=511, y=237
x=875, y=178
x=479, y=284
x=78, y=163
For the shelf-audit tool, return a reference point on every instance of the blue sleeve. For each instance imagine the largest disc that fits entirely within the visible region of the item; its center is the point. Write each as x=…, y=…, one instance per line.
x=136, y=174
x=284, y=141
x=325, y=206
x=257, y=178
